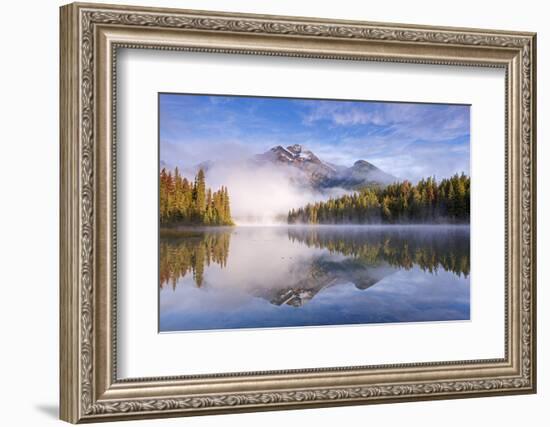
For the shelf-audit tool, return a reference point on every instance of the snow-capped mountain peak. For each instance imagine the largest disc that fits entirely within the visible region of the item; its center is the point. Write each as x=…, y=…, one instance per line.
x=310, y=171
x=293, y=153
x=322, y=174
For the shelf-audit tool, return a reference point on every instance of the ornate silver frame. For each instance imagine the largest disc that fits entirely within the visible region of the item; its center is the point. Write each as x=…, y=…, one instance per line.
x=90, y=36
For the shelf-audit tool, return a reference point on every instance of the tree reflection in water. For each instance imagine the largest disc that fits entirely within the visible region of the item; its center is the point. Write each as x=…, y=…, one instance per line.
x=401, y=247
x=189, y=251
x=365, y=250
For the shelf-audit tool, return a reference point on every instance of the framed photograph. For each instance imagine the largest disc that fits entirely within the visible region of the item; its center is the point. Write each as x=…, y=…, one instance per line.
x=266, y=212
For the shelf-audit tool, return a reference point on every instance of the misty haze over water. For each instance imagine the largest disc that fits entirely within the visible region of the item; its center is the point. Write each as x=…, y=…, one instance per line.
x=261, y=276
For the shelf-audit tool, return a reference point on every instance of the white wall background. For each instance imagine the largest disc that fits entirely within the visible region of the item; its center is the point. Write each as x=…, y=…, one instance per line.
x=29, y=171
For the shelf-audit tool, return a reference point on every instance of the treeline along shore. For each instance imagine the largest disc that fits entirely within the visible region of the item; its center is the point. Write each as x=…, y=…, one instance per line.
x=192, y=203
x=185, y=202
x=426, y=202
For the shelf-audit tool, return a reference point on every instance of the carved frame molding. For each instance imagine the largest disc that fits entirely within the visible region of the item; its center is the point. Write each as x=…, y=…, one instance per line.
x=90, y=37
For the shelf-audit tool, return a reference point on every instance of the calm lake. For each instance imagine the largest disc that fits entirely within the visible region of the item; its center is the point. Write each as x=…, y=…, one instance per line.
x=254, y=277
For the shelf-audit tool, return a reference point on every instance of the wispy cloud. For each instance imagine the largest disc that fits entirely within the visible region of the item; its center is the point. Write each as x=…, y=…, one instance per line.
x=405, y=139
x=420, y=121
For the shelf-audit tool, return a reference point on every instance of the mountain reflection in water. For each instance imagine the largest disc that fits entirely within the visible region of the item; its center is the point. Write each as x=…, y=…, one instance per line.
x=221, y=278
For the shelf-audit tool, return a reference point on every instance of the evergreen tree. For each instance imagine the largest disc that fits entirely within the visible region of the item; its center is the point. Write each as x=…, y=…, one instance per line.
x=427, y=201
x=226, y=206
x=181, y=202
x=200, y=194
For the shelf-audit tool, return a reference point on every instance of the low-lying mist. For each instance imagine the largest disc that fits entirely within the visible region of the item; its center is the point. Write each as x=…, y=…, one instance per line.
x=263, y=195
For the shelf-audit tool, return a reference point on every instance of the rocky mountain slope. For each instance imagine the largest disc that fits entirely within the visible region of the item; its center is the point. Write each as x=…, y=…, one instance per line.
x=323, y=175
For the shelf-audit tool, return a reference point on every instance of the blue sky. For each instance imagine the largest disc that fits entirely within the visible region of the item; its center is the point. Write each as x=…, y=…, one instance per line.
x=407, y=140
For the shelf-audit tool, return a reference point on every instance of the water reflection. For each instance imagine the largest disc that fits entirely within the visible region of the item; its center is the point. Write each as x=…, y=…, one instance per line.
x=218, y=278
x=429, y=248
x=188, y=251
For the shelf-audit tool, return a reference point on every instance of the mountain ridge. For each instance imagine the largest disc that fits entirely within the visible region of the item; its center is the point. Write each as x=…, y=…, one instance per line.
x=325, y=175
x=314, y=172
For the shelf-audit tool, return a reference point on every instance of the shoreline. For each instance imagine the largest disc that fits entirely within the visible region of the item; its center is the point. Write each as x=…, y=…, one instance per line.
x=175, y=228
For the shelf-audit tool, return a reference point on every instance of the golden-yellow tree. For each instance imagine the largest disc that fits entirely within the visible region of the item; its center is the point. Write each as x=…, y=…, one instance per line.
x=183, y=202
